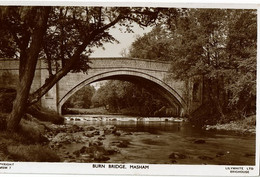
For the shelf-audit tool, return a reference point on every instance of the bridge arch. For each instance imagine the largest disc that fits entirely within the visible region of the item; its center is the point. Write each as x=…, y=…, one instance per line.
x=138, y=77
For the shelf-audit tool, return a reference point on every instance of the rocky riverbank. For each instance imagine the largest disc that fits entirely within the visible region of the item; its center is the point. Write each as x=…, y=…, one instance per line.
x=75, y=143
x=244, y=126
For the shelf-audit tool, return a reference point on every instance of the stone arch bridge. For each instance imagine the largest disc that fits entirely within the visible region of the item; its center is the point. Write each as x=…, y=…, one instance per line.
x=153, y=75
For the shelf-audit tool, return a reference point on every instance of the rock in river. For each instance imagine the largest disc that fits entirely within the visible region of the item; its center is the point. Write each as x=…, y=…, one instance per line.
x=89, y=134
x=109, y=129
x=99, y=156
x=203, y=157
x=91, y=128
x=177, y=155
x=123, y=144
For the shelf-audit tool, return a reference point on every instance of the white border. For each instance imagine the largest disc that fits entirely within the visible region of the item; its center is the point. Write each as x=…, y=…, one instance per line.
x=242, y=4
x=187, y=170
x=154, y=169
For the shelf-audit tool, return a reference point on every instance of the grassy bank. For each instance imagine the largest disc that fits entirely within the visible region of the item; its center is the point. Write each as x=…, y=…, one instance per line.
x=19, y=147
x=29, y=143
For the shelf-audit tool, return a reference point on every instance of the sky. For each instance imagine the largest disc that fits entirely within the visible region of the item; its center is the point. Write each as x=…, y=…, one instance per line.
x=115, y=49
x=125, y=41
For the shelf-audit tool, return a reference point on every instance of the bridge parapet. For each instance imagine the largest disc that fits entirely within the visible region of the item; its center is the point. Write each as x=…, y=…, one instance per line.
x=152, y=65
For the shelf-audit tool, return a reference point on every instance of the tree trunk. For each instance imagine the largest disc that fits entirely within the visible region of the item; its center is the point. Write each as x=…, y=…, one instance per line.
x=19, y=108
x=34, y=97
x=26, y=75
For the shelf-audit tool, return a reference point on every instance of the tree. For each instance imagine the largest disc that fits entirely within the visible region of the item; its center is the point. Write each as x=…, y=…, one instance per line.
x=218, y=44
x=26, y=27
x=58, y=33
x=117, y=95
x=81, y=99
x=155, y=45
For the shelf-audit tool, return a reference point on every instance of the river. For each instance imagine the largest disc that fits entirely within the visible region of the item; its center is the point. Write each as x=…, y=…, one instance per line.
x=169, y=142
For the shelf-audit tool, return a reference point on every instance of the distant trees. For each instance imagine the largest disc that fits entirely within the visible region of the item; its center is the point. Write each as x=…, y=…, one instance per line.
x=81, y=99
x=218, y=44
x=125, y=97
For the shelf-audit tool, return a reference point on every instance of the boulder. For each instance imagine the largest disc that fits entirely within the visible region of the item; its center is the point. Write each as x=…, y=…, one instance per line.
x=76, y=153
x=109, y=129
x=101, y=138
x=91, y=128
x=123, y=144
x=177, y=155
x=117, y=133
x=89, y=134
x=83, y=150
x=96, y=132
x=95, y=143
x=99, y=156
x=76, y=128
x=111, y=151
x=203, y=157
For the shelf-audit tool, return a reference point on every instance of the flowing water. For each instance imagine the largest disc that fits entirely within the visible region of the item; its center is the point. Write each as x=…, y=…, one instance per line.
x=178, y=143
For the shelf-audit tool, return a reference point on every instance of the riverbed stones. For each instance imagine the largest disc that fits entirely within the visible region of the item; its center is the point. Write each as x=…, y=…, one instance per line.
x=204, y=157
x=91, y=128
x=89, y=134
x=117, y=133
x=99, y=156
x=83, y=149
x=101, y=138
x=177, y=155
x=111, y=151
x=95, y=143
x=96, y=132
x=76, y=128
x=109, y=129
x=77, y=153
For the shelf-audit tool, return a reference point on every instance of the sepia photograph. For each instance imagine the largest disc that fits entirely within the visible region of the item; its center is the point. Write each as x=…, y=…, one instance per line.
x=128, y=89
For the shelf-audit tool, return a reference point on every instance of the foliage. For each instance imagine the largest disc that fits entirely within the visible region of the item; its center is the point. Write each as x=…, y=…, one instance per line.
x=80, y=99
x=118, y=95
x=154, y=45
x=220, y=45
